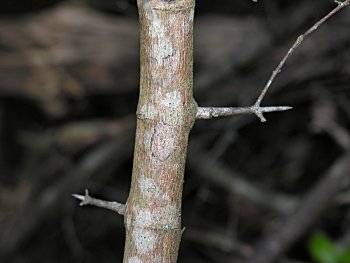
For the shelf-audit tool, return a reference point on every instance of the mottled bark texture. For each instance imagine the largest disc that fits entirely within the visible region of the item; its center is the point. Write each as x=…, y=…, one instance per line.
x=165, y=115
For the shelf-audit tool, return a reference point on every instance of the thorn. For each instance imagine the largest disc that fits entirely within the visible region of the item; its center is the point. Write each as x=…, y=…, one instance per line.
x=283, y=108
x=275, y=108
x=79, y=197
x=258, y=110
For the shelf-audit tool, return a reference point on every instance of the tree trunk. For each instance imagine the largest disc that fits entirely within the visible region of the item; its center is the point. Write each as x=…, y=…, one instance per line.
x=165, y=115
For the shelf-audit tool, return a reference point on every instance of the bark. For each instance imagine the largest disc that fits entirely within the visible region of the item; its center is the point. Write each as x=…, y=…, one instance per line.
x=166, y=113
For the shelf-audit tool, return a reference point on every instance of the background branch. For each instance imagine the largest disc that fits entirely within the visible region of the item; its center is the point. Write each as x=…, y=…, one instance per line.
x=314, y=204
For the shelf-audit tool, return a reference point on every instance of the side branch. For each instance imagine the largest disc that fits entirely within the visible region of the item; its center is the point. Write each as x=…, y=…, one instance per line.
x=88, y=200
x=214, y=112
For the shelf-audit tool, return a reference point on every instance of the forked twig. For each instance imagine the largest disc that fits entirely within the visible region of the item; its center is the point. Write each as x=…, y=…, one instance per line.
x=213, y=112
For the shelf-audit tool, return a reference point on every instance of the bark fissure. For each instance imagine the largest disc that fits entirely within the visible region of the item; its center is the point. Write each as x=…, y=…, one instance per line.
x=166, y=113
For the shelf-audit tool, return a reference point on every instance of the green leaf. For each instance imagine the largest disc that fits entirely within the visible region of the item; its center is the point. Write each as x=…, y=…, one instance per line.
x=344, y=256
x=322, y=249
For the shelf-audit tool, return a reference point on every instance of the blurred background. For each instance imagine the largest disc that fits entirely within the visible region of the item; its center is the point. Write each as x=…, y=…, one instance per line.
x=254, y=192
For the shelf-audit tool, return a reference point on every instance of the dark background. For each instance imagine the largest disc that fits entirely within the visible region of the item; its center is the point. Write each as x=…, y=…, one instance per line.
x=68, y=95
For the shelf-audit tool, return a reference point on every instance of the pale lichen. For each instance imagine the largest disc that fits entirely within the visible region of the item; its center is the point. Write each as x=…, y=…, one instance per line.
x=163, y=141
x=151, y=190
x=172, y=99
x=168, y=215
x=144, y=240
x=134, y=260
x=192, y=15
x=143, y=217
x=147, y=137
x=162, y=47
x=147, y=111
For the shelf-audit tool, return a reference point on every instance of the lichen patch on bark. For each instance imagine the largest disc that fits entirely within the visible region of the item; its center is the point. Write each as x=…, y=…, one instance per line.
x=163, y=142
x=162, y=218
x=134, y=260
x=144, y=240
x=150, y=189
x=143, y=218
x=163, y=46
x=147, y=138
x=172, y=99
x=147, y=111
